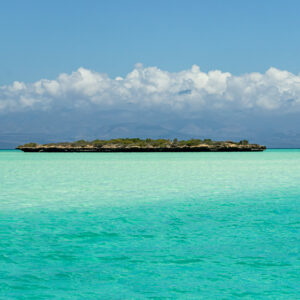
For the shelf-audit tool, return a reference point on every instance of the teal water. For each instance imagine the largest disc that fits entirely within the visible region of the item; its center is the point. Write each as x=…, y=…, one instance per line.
x=150, y=225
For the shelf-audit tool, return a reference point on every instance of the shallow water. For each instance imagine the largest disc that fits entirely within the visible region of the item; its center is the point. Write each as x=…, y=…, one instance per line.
x=150, y=225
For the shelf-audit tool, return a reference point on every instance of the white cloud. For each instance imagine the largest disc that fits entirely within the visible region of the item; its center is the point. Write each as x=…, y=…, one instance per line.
x=146, y=87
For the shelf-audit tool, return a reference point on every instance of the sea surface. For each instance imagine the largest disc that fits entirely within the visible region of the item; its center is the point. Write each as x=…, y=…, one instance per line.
x=150, y=225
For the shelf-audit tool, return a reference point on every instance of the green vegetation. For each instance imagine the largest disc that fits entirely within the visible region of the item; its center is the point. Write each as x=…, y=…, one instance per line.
x=137, y=142
x=244, y=142
x=143, y=145
x=30, y=145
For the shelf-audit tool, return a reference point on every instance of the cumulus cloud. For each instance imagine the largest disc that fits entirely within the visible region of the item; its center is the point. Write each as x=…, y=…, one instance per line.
x=151, y=87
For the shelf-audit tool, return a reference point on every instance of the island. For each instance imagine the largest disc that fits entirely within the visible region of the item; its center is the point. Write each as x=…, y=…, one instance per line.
x=144, y=145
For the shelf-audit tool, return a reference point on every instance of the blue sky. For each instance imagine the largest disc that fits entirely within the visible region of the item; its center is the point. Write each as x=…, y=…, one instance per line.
x=41, y=39
x=100, y=69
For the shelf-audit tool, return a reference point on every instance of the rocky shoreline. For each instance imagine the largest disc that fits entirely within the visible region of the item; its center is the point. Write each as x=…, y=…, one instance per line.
x=224, y=147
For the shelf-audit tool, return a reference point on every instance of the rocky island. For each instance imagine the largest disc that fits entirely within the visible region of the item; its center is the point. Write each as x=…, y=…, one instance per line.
x=146, y=145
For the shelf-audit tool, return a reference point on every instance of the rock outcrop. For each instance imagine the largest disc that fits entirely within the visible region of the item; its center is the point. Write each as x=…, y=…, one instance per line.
x=217, y=147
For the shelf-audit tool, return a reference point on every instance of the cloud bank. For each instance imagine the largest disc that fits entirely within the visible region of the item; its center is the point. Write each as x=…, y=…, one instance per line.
x=151, y=87
x=150, y=102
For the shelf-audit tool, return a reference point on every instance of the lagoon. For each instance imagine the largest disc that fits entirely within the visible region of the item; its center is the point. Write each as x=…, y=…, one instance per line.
x=150, y=225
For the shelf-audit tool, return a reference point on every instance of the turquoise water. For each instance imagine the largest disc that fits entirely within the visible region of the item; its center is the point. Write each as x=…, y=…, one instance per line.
x=150, y=225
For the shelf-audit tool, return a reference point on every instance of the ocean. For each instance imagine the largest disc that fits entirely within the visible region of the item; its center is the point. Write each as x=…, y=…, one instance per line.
x=150, y=225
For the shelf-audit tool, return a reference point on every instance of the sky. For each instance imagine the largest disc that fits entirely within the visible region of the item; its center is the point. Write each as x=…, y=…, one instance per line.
x=103, y=69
